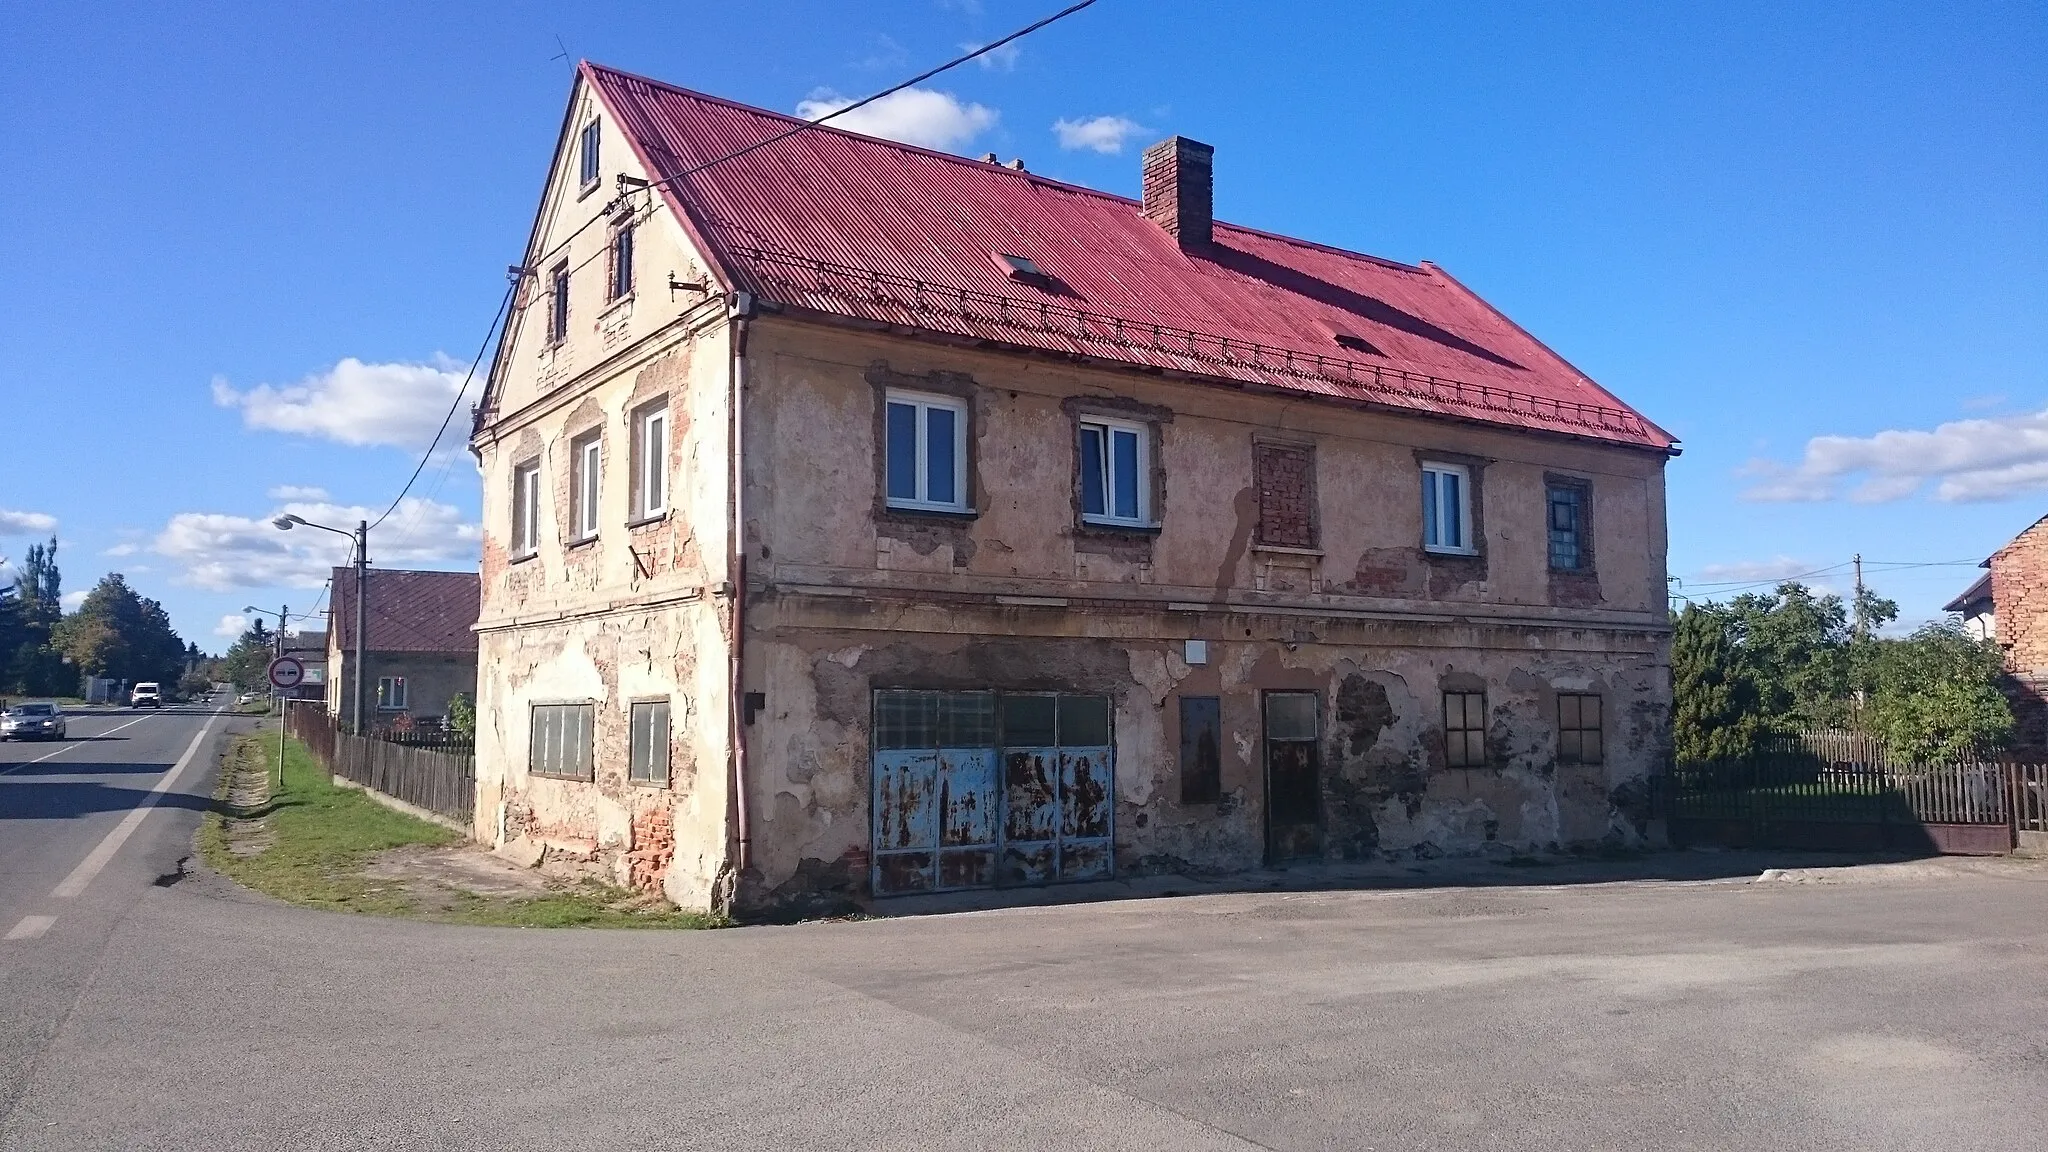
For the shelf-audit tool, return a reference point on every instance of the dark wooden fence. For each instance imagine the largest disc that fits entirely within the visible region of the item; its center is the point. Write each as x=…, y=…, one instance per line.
x=1841, y=790
x=438, y=773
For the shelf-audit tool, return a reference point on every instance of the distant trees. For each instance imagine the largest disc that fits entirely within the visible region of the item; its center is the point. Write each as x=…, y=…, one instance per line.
x=121, y=634
x=1777, y=663
x=29, y=614
x=247, y=664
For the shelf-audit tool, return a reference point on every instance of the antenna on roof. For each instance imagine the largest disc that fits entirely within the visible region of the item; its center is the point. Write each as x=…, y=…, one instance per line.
x=564, y=53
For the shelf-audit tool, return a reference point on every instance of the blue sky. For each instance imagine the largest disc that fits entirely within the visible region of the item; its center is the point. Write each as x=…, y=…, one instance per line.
x=246, y=250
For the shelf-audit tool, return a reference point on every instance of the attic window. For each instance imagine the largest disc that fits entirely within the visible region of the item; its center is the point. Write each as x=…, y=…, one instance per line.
x=1020, y=267
x=1357, y=344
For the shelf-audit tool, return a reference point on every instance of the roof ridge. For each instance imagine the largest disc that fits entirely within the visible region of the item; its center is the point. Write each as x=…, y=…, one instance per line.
x=985, y=166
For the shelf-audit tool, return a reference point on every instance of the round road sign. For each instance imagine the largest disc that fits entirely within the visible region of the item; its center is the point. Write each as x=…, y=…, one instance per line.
x=287, y=672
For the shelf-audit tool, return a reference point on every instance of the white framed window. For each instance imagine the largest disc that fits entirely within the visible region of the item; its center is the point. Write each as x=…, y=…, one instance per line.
x=926, y=448
x=587, y=163
x=391, y=693
x=650, y=461
x=1447, y=508
x=559, y=739
x=1116, y=472
x=586, y=467
x=526, y=509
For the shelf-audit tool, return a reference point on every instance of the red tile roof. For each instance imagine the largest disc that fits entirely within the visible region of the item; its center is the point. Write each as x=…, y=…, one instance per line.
x=851, y=226
x=408, y=611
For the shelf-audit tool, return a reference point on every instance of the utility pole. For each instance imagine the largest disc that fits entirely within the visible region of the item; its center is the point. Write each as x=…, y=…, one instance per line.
x=362, y=598
x=1858, y=606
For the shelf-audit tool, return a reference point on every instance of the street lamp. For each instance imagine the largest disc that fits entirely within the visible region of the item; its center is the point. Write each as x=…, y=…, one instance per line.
x=360, y=538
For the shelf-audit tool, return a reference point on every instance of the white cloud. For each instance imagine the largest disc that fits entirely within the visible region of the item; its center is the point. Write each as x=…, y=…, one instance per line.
x=922, y=116
x=231, y=626
x=26, y=523
x=1104, y=134
x=219, y=552
x=1002, y=59
x=354, y=403
x=1776, y=568
x=297, y=492
x=123, y=549
x=1966, y=460
x=70, y=601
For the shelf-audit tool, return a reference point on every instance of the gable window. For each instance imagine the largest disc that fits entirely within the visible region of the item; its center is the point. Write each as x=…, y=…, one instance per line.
x=648, y=740
x=622, y=263
x=587, y=163
x=1465, y=729
x=650, y=460
x=526, y=509
x=586, y=464
x=927, y=452
x=1566, y=511
x=391, y=693
x=558, y=303
x=1116, y=472
x=1447, y=508
x=1285, y=476
x=559, y=740
x=1578, y=728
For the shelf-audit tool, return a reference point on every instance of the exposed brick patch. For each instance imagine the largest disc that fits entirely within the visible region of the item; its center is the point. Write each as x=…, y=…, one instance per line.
x=654, y=845
x=1286, y=483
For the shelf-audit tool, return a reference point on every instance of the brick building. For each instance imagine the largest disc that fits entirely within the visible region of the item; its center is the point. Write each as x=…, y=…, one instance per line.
x=2010, y=603
x=861, y=520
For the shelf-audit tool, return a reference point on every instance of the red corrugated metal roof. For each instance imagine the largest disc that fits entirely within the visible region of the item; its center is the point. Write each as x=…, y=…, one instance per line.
x=874, y=230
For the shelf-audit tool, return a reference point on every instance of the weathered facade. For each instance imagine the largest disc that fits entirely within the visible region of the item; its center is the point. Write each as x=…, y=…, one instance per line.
x=958, y=584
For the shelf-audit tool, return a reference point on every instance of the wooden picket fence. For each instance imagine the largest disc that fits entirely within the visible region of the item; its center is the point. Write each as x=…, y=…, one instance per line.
x=439, y=777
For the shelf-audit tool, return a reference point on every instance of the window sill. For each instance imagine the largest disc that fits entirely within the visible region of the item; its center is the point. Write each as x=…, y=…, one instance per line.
x=612, y=306
x=523, y=557
x=913, y=512
x=585, y=191
x=580, y=542
x=648, y=520
x=657, y=784
x=1088, y=527
x=560, y=776
x=1454, y=553
x=1287, y=550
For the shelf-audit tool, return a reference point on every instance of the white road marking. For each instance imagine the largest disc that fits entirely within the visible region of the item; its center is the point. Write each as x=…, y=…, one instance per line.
x=31, y=927
x=70, y=745
x=104, y=852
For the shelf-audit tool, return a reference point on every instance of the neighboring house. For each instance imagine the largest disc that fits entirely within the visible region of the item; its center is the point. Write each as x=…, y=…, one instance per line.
x=2010, y=604
x=309, y=649
x=419, y=646
x=861, y=520
x=1975, y=608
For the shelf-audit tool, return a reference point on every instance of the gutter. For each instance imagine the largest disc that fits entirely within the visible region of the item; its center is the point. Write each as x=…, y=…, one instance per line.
x=741, y=310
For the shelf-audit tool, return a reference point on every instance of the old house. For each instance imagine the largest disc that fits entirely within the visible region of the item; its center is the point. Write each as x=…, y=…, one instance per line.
x=419, y=645
x=865, y=520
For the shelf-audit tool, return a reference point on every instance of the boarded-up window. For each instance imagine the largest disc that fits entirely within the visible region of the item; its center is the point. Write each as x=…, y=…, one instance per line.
x=649, y=740
x=1286, y=494
x=1201, y=750
x=1465, y=729
x=560, y=740
x=1578, y=728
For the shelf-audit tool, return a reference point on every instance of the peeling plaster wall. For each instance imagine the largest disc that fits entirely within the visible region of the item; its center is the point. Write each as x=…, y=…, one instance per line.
x=852, y=596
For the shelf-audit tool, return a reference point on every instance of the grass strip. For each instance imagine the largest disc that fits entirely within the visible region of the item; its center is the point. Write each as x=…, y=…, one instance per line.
x=311, y=845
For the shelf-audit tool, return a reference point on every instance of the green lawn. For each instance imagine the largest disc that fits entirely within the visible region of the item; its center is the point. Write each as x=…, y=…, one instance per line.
x=315, y=840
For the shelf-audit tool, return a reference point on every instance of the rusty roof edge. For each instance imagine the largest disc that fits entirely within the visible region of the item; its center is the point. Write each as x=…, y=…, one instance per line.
x=799, y=313
x=1672, y=442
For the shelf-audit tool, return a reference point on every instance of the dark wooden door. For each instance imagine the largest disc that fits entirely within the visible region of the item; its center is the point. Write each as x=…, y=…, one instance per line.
x=1294, y=784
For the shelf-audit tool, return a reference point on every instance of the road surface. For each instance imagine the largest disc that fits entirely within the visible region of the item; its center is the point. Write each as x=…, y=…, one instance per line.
x=1872, y=1009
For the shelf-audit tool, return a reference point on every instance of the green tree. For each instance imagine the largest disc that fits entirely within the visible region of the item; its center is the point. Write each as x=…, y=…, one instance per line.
x=1716, y=712
x=29, y=661
x=1934, y=696
x=247, y=664
x=118, y=633
x=462, y=715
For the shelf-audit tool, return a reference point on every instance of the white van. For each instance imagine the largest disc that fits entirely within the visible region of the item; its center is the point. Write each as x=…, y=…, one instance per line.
x=146, y=695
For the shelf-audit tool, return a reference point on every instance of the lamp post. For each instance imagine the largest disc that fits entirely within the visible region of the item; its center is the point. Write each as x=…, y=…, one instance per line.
x=360, y=538
x=284, y=613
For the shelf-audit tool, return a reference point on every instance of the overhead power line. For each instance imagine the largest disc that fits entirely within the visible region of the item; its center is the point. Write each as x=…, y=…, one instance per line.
x=452, y=405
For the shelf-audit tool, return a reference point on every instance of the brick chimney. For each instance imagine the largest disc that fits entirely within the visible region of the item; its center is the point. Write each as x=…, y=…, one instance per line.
x=1179, y=189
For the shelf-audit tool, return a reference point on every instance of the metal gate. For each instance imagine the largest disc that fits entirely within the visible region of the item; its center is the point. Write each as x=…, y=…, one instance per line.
x=977, y=789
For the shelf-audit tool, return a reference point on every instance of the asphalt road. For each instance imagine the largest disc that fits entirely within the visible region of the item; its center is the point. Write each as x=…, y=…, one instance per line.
x=87, y=826
x=1889, y=1008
